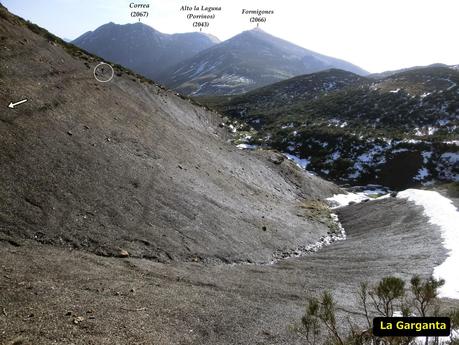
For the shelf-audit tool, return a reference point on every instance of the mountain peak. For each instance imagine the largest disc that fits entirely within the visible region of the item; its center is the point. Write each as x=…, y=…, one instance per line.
x=213, y=38
x=137, y=25
x=255, y=31
x=141, y=48
x=249, y=60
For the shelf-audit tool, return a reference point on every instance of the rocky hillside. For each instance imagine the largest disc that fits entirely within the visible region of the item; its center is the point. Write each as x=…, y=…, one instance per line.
x=249, y=60
x=127, y=218
x=128, y=168
x=142, y=48
x=398, y=131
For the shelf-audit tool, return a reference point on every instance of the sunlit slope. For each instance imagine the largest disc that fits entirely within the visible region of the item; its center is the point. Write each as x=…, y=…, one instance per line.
x=129, y=167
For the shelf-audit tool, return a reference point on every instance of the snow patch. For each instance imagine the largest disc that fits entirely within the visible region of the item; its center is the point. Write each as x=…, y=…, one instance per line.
x=246, y=147
x=364, y=193
x=441, y=212
x=302, y=163
x=423, y=173
x=339, y=235
x=429, y=130
x=341, y=200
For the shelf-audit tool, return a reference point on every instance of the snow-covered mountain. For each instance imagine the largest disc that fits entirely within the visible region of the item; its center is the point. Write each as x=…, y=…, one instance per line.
x=247, y=61
x=142, y=48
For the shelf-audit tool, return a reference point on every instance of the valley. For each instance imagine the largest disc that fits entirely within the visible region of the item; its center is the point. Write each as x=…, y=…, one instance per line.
x=209, y=213
x=399, y=131
x=193, y=303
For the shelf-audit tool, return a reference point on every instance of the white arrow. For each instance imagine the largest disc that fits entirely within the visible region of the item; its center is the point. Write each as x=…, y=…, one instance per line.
x=12, y=105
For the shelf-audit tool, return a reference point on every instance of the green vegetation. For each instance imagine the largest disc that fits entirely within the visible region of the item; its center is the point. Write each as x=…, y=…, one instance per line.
x=354, y=129
x=361, y=110
x=453, y=189
x=3, y=13
x=320, y=323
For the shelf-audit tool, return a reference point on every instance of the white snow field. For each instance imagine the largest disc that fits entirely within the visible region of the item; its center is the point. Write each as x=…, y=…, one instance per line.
x=441, y=211
x=341, y=200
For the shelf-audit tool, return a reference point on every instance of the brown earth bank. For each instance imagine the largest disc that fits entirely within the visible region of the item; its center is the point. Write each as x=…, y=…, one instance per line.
x=126, y=217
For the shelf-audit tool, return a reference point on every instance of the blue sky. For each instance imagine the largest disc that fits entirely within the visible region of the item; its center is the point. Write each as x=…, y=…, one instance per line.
x=68, y=18
x=377, y=35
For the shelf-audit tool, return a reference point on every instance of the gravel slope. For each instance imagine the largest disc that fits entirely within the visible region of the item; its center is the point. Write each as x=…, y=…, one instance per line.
x=142, y=302
x=89, y=170
x=128, y=166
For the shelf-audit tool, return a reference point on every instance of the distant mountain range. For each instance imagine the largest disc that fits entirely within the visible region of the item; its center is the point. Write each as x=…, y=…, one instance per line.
x=198, y=64
x=142, y=48
x=396, y=131
x=247, y=61
x=389, y=73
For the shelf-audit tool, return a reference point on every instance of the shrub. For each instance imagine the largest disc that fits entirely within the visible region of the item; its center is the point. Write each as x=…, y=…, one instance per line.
x=319, y=323
x=453, y=189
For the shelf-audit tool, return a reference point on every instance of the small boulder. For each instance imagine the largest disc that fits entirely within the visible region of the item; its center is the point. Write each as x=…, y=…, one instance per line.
x=78, y=319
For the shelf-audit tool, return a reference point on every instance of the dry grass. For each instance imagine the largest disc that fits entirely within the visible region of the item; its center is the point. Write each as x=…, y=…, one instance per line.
x=318, y=211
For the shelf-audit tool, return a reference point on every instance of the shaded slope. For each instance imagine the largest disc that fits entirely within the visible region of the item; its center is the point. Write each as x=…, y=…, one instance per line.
x=142, y=48
x=129, y=166
x=247, y=61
